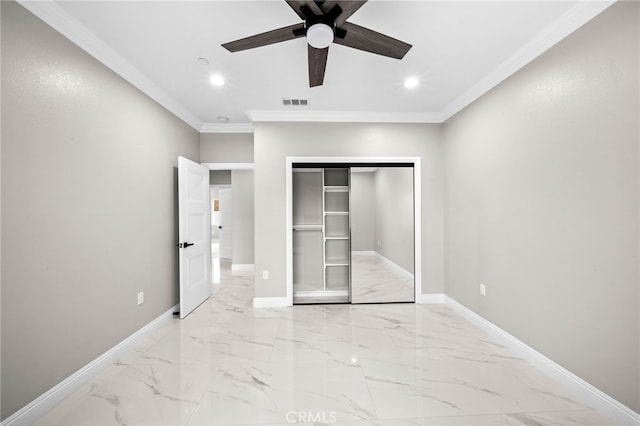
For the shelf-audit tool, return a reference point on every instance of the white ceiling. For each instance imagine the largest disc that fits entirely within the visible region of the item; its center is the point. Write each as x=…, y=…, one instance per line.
x=460, y=50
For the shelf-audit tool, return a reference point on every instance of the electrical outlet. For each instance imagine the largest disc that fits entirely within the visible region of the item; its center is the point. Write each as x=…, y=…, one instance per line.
x=483, y=289
x=141, y=298
x=378, y=243
x=265, y=275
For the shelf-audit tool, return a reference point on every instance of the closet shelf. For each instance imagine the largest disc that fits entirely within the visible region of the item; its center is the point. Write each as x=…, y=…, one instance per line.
x=336, y=238
x=337, y=263
x=336, y=189
x=314, y=227
x=336, y=213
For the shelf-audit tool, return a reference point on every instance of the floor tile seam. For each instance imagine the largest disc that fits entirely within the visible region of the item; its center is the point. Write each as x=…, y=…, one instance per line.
x=198, y=405
x=560, y=412
x=178, y=364
x=425, y=386
x=555, y=411
x=373, y=404
x=485, y=414
x=512, y=412
x=273, y=345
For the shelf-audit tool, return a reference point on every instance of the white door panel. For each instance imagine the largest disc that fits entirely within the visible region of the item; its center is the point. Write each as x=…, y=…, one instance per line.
x=194, y=243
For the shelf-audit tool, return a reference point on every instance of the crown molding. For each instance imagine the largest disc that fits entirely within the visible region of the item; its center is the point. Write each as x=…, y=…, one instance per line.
x=61, y=21
x=345, y=116
x=226, y=128
x=569, y=22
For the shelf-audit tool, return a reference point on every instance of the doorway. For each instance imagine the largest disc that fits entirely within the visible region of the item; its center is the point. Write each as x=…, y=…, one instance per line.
x=221, y=228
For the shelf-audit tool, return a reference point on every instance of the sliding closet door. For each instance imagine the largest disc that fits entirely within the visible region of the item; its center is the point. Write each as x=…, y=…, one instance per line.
x=382, y=230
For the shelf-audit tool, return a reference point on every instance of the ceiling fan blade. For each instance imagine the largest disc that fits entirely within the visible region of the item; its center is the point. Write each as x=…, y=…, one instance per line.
x=352, y=35
x=317, y=64
x=270, y=37
x=298, y=7
x=348, y=7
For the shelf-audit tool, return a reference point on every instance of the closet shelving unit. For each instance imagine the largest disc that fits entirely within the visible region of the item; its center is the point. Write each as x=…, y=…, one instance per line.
x=336, y=230
x=321, y=259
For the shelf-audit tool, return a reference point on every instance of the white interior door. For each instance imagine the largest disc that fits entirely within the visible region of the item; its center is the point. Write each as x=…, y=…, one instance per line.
x=226, y=228
x=194, y=243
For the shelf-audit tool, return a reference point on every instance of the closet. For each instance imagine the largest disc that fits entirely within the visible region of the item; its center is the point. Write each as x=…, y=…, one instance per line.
x=353, y=233
x=321, y=240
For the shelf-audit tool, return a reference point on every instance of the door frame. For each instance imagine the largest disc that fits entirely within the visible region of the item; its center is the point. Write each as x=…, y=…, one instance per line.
x=228, y=208
x=417, y=211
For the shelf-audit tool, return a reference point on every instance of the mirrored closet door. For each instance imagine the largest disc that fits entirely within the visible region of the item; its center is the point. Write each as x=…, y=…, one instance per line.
x=382, y=235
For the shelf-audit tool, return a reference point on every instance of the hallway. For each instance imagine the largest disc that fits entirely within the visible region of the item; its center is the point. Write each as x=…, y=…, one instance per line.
x=396, y=364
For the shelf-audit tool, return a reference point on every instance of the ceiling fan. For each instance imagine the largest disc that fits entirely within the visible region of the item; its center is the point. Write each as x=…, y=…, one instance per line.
x=325, y=22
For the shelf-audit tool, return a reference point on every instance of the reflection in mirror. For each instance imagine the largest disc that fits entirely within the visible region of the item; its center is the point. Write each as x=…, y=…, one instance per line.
x=382, y=235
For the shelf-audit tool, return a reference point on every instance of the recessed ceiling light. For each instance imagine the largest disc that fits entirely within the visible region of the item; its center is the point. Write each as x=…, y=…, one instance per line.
x=217, y=80
x=411, y=82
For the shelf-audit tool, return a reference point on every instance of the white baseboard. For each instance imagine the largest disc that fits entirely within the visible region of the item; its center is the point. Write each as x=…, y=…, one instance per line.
x=430, y=298
x=270, y=302
x=591, y=395
x=48, y=400
x=242, y=266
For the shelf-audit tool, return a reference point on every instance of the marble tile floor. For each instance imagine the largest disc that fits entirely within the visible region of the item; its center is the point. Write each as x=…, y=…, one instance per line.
x=376, y=280
x=394, y=364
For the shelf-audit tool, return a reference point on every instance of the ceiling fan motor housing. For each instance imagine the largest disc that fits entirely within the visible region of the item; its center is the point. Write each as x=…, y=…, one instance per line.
x=320, y=35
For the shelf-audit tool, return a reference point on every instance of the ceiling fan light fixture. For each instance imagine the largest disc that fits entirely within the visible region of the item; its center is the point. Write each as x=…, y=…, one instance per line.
x=320, y=35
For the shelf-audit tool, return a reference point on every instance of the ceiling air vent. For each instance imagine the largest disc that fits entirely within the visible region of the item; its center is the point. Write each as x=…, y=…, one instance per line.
x=294, y=102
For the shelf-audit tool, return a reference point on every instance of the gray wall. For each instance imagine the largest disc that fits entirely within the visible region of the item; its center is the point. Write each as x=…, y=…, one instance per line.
x=243, y=217
x=226, y=148
x=219, y=177
x=542, y=198
x=393, y=228
x=273, y=142
x=362, y=211
x=88, y=207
